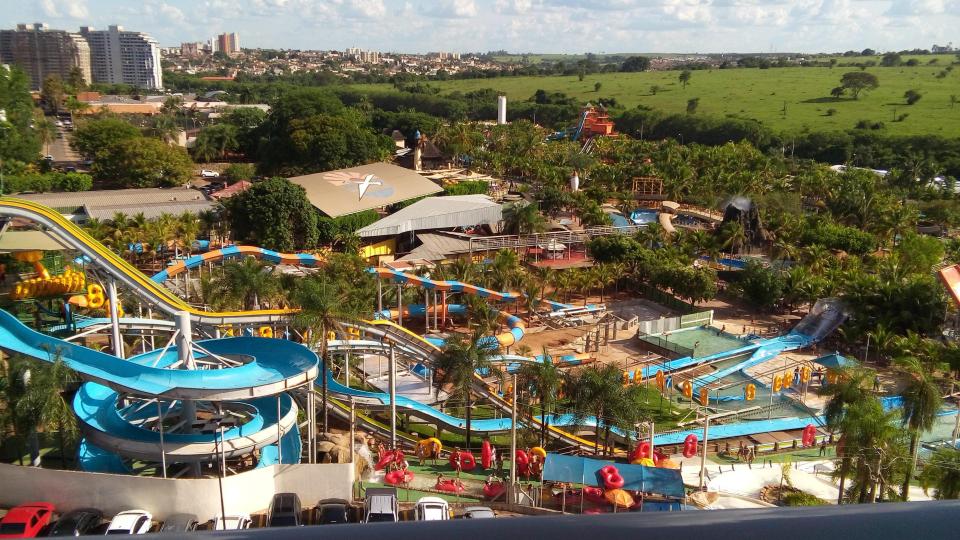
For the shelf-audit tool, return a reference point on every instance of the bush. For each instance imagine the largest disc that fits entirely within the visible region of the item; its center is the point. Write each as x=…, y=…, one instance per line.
x=801, y=498
x=239, y=171
x=469, y=187
x=840, y=237
x=53, y=181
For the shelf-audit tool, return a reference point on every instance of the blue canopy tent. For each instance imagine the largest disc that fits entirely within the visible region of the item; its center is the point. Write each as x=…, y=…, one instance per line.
x=835, y=361
x=579, y=470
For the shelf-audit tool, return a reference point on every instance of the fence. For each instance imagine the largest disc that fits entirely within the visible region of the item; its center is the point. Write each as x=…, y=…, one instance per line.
x=665, y=299
x=669, y=324
x=666, y=345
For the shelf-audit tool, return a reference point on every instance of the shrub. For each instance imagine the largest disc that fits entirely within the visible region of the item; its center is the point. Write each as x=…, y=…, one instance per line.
x=801, y=498
x=239, y=171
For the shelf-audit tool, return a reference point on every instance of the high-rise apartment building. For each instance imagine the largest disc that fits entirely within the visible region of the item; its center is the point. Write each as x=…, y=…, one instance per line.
x=118, y=56
x=42, y=52
x=228, y=43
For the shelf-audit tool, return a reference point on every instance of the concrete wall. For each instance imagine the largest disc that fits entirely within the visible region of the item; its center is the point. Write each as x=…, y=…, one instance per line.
x=243, y=493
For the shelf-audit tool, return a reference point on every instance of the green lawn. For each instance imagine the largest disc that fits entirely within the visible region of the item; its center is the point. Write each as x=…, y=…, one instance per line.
x=761, y=94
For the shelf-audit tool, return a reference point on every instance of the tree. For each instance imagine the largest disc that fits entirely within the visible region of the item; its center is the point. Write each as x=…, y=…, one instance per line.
x=143, y=162
x=921, y=403
x=458, y=365
x=891, y=59
x=544, y=379
x=243, y=285
x=75, y=80
x=523, y=218
x=912, y=96
x=635, y=63
x=275, y=214
x=45, y=405
x=942, y=472
x=837, y=92
x=684, y=78
x=18, y=139
x=239, y=171
x=692, y=105
x=325, y=305
x=850, y=390
x=597, y=86
x=858, y=81
x=597, y=391
x=92, y=136
x=215, y=141
x=654, y=88
x=53, y=93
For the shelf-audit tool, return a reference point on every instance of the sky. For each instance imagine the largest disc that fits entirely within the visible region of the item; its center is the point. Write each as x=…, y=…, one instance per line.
x=536, y=26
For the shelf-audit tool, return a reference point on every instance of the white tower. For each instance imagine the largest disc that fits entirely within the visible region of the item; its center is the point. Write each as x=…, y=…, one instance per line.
x=501, y=110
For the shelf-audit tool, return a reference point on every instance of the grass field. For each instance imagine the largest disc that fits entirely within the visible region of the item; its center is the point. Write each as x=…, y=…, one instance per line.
x=762, y=95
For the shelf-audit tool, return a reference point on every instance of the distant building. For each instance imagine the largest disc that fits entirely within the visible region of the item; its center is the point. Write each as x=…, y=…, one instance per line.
x=228, y=44
x=118, y=56
x=42, y=52
x=363, y=56
x=191, y=50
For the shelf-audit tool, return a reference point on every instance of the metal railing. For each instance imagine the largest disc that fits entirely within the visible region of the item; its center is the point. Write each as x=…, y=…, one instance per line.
x=514, y=241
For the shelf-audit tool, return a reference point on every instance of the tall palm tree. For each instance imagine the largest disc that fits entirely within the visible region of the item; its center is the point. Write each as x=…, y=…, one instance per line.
x=44, y=403
x=921, y=403
x=324, y=306
x=850, y=390
x=943, y=473
x=596, y=391
x=458, y=365
x=544, y=378
x=870, y=437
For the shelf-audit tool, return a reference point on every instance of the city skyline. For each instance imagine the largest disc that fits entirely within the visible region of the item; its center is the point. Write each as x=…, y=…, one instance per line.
x=537, y=26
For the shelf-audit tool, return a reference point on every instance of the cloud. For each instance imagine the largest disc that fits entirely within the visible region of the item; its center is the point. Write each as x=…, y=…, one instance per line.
x=74, y=9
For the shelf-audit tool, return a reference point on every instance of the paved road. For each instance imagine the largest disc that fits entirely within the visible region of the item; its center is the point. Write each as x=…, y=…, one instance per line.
x=60, y=148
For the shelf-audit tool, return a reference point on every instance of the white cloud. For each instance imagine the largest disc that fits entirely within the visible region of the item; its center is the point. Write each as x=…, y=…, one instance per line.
x=690, y=11
x=74, y=9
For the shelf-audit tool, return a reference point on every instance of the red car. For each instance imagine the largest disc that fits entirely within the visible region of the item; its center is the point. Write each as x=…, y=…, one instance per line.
x=26, y=520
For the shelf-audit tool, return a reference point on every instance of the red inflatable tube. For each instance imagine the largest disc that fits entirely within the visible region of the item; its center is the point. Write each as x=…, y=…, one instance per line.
x=611, y=477
x=467, y=461
x=690, y=446
x=641, y=451
x=448, y=486
x=388, y=457
x=398, y=477
x=493, y=489
x=486, y=455
x=522, y=459
x=809, y=435
x=594, y=495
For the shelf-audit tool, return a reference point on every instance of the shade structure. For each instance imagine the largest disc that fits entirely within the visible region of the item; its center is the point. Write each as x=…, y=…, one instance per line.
x=668, y=463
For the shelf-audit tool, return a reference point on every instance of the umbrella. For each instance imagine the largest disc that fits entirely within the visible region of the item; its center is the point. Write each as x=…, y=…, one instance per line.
x=646, y=462
x=619, y=497
x=668, y=463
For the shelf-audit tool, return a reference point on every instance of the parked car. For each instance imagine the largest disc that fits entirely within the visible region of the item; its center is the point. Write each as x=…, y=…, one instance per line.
x=77, y=522
x=209, y=174
x=477, y=512
x=284, y=511
x=432, y=509
x=381, y=505
x=330, y=511
x=131, y=522
x=232, y=523
x=26, y=520
x=180, y=523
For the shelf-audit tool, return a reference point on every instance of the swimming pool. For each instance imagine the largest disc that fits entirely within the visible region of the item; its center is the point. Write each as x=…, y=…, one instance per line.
x=643, y=216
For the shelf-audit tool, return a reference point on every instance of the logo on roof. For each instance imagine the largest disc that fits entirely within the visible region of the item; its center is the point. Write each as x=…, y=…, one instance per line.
x=363, y=183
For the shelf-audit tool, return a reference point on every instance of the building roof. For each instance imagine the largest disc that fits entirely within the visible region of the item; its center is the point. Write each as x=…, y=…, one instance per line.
x=103, y=204
x=231, y=190
x=438, y=246
x=28, y=241
x=348, y=191
x=437, y=213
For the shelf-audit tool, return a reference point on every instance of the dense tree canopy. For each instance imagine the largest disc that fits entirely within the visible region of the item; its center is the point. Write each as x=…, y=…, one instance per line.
x=142, y=162
x=275, y=214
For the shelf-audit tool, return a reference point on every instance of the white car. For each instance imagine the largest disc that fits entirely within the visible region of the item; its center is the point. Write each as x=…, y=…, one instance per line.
x=432, y=509
x=232, y=523
x=209, y=174
x=131, y=522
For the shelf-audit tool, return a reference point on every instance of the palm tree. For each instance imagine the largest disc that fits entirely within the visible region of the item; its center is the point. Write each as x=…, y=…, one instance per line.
x=850, y=390
x=921, y=403
x=870, y=439
x=44, y=403
x=596, y=391
x=943, y=473
x=243, y=285
x=324, y=306
x=458, y=365
x=734, y=236
x=605, y=275
x=13, y=386
x=544, y=378
x=523, y=218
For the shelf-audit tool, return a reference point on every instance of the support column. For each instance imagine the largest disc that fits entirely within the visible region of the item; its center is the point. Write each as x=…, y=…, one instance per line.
x=400, y=304
x=116, y=338
x=163, y=452
x=279, y=433
x=379, y=295
x=312, y=425
x=353, y=418
x=188, y=410
x=393, y=396
x=511, y=492
x=703, y=453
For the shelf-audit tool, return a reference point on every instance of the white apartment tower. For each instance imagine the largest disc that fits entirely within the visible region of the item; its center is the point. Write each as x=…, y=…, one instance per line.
x=118, y=56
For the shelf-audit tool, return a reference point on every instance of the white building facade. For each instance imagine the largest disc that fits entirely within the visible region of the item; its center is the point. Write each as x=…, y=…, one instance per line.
x=118, y=56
